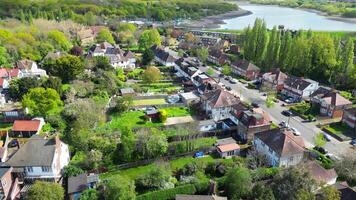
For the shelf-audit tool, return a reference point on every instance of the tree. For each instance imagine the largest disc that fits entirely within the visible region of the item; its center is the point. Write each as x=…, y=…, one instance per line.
x=261, y=192
x=94, y=158
x=189, y=37
x=4, y=57
x=226, y=70
x=123, y=104
x=347, y=67
x=289, y=183
x=76, y=51
x=157, y=178
x=238, y=183
x=19, y=87
x=202, y=53
x=303, y=194
x=149, y=38
x=105, y=35
x=151, y=143
x=54, y=83
x=272, y=53
x=269, y=101
x=66, y=67
x=330, y=193
x=151, y=75
x=41, y=190
x=102, y=62
x=126, y=147
x=41, y=101
x=319, y=140
x=89, y=194
x=59, y=40
x=72, y=170
x=163, y=115
x=346, y=168
x=148, y=56
x=120, y=188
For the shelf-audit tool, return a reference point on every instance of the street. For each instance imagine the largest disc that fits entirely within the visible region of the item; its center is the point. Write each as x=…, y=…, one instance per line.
x=308, y=130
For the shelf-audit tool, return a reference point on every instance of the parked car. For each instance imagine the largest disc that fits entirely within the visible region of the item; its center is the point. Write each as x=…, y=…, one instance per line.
x=283, y=124
x=287, y=113
x=332, y=157
x=227, y=78
x=289, y=100
x=221, y=75
x=320, y=149
x=255, y=105
x=13, y=143
x=295, y=131
x=353, y=142
x=327, y=137
x=228, y=88
x=233, y=81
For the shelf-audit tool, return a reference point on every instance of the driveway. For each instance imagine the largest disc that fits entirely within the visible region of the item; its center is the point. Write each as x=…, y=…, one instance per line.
x=307, y=130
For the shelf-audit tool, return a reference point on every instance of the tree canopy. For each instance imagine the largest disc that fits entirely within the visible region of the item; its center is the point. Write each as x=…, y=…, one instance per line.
x=41, y=190
x=149, y=38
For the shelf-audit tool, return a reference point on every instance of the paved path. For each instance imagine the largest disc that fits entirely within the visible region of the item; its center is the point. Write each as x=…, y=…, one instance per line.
x=178, y=120
x=308, y=130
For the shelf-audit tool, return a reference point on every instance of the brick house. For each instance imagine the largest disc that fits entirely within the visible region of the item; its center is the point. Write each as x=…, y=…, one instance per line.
x=251, y=122
x=216, y=56
x=281, y=147
x=217, y=104
x=349, y=117
x=245, y=69
x=163, y=57
x=331, y=103
x=274, y=80
x=9, y=187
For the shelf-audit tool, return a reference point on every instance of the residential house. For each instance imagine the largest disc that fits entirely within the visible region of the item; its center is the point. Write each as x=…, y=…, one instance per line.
x=216, y=56
x=349, y=117
x=251, y=122
x=27, y=128
x=117, y=57
x=245, y=69
x=320, y=174
x=207, y=125
x=299, y=88
x=163, y=57
x=9, y=188
x=237, y=111
x=201, y=79
x=40, y=159
x=10, y=73
x=77, y=184
x=87, y=35
x=187, y=67
x=274, y=80
x=53, y=56
x=235, y=49
x=217, y=104
x=208, y=41
x=29, y=68
x=4, y=84
x=331, y=103
x=198, y=197
x=227, y=147
x=127, y=92
x=346, y=192
x=189, y=98
x=281, y=147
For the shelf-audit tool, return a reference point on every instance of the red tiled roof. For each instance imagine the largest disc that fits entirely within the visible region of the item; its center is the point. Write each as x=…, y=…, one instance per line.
x=3, y=72
x=13, y=72
x=2, y=82
x=26, y=125
x=228, y=147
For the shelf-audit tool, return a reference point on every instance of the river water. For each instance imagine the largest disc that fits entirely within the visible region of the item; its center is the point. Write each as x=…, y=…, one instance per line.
x=289, y=17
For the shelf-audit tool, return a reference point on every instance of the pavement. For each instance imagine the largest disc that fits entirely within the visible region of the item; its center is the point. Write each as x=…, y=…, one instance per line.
x=308, y=130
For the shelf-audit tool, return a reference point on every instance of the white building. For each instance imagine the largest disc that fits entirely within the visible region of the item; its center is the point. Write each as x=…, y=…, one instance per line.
x=299, y=88
x=29, y=68
x=40, y=159
x=281, y=148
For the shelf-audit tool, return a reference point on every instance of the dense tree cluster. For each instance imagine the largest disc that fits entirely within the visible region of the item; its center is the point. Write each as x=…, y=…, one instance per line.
x=319, y=56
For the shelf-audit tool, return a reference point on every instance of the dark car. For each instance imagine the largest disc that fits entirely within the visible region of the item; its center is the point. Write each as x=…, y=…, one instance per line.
x=228, y=88
x=255, y=105
x=13, y=143
x=233, y=81
x=320, y=149
x=287, y=113
x=221, y=75
x=353, y=142
x=227, y=78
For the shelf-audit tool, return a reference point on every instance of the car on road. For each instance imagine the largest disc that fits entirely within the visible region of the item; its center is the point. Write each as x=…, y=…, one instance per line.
x=289, y=100
x=255, y=105
x=327, y=137
x=283, y=124
x=287, y=113
x=295, y=131
x=228, y=88
x=228, y=78
x=321, y=150
x=332, y=157
x=233, y=81
x=353, y=142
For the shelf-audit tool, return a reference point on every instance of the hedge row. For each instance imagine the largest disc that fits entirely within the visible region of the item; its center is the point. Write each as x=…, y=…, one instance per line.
x=168, y=194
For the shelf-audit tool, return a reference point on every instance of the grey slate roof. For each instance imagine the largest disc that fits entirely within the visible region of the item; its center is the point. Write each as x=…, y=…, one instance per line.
x=4, y=170
x=36, y=152
x=77, y=183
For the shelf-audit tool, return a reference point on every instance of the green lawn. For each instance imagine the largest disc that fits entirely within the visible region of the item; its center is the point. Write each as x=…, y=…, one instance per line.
x=177, y=111
x=131, y=119
x=149, y=102
x=5, y=126
x=161, y=87
x=133, y=173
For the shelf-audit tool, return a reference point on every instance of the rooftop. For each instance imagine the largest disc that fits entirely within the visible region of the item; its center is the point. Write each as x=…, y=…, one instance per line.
x=26, y=125
x=228, y=147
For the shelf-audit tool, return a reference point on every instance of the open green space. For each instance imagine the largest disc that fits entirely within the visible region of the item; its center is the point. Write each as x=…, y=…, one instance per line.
x=161, y=87
x=133, y=173
x=178, y=111
x=143, y=102
x=131, y=119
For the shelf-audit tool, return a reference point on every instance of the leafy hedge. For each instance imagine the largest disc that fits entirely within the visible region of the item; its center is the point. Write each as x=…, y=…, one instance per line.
x=169, y=193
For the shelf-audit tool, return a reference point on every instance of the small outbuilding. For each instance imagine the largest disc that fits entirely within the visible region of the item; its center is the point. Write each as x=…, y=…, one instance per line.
x=127, y=92
x=189, y=98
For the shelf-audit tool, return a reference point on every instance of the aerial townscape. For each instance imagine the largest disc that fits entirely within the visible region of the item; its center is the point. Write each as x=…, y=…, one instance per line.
x=178, y=100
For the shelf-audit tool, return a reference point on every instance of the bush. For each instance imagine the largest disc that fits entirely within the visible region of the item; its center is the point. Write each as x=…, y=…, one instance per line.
x=163, y=115
x=264, y=173
x=169, y=193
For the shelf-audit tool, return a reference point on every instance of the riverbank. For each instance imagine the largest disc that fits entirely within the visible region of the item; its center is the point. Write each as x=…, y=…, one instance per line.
x=214, y=22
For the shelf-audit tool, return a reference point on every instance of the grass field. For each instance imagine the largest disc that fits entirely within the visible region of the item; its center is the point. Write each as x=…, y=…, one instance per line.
x=149, y=102
x=131, y=119
x=178, y=111
x=161, y=87
x=133, y=173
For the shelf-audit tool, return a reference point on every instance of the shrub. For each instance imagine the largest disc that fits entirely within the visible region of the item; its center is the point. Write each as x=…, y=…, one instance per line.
x=163, y=115
x=169, y=193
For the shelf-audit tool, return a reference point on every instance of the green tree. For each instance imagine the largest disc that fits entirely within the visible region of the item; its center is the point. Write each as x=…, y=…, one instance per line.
x=148, y=56
x=238, y=183
x=41, y=101
x=66, y=67
x=126, y=147
x=102, y=62
x=202, y=53
x=123, y=104
x=54, y=83
x=94, y=158
x=285, y=51
x=59, y=40
x=163, y=115
x=149, y=38
x=347, y=67
x=4, y=57
x=151, y=143
x=72, y=170
x=330, y=193
x=89, y=194
x=261, y=192
x=19, y=87
x=319, y=140
x=120, y=188
x=226, y=70
x=346, y=168
x=46, y=190
x=105, y=35
x=272, y=53
x=156, y=179
x=151, y=75
x=303, y=194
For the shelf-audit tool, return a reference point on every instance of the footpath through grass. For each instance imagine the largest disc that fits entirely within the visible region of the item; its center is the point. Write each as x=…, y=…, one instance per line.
x=143, y=102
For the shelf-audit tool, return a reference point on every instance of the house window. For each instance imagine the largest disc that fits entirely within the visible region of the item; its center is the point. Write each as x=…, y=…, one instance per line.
x=46, y=169
x=29, y=169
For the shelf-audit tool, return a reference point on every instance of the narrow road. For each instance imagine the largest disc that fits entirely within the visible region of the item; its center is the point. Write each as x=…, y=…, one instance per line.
x=308, y=130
